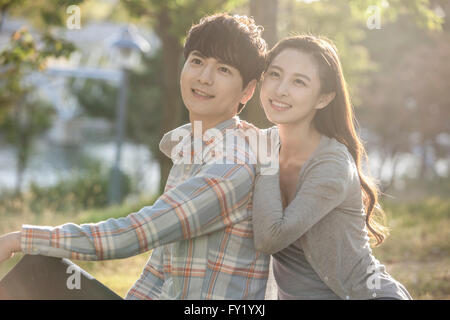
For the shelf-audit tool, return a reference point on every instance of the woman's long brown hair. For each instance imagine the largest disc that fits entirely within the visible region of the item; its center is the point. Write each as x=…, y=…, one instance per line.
x=337, y=119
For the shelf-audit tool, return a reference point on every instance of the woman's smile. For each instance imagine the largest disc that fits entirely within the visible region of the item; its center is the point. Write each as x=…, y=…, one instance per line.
x=279, y=106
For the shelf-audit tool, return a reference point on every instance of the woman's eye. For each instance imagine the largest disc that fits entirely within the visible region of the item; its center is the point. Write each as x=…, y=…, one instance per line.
x=299, y=82
x=196, y=61
x=274, y=74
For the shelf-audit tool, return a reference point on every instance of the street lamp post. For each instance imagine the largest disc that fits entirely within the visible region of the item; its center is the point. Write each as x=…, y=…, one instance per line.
x=115, y=188
x=128, y=46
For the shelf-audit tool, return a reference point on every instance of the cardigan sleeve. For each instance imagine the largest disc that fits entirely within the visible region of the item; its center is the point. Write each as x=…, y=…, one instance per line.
x=324, y=187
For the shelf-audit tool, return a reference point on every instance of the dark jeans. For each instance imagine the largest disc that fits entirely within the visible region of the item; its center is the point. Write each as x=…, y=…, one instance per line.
x=45, y=278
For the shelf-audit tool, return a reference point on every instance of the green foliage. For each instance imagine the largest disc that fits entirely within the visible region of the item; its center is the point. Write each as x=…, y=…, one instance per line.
x=85, y=189
x=23, y=124
x=43, y=14
x=144, y=101
x=405, y=104
x=336, y=21
x=23, y=115
x=432, y=209
x=344, y=22
x=419, y=10
x=181, y=14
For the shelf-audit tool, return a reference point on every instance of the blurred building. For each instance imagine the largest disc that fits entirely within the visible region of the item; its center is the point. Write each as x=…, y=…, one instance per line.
x=92, y=42
x=55, y=155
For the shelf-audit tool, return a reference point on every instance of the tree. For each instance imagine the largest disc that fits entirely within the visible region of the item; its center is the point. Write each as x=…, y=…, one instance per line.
x=265, y=13
x=23, y=116
x=98, y=99
x=405, y=104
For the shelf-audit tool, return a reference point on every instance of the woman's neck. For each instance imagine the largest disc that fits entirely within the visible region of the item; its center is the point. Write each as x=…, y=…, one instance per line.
x=298, y=141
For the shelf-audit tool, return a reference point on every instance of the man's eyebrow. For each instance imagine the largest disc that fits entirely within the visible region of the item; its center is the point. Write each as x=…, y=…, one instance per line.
x=198, y=54
x=295, y=74
x=201, y=55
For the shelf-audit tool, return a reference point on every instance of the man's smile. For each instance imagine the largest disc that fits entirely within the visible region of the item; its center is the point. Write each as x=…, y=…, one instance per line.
x=201, y=94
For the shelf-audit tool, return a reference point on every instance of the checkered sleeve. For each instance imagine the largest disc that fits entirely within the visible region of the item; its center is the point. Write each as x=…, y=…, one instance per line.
x=201, y=204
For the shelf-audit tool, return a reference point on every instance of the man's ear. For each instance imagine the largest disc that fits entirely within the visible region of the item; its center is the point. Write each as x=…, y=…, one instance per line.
x=325, y=100
x=248, y=91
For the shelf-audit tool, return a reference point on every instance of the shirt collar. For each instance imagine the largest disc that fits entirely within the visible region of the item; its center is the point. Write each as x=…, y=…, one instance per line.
x=182, y=137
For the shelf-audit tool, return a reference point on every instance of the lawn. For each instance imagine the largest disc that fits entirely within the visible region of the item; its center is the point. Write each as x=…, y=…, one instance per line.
x=417, y=252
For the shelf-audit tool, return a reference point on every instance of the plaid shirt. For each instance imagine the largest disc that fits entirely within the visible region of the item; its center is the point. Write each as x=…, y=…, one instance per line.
x=201, y=228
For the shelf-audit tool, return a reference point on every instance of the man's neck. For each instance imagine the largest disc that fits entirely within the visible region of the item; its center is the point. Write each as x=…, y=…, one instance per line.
x=208, y=122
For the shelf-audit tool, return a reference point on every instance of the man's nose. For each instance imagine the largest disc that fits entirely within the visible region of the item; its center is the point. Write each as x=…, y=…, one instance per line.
x=206, y=75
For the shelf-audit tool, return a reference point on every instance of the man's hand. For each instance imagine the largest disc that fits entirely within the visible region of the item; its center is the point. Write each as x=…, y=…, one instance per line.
x=9, y=244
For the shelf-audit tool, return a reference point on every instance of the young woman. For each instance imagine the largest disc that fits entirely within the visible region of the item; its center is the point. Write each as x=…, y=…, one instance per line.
x=315, y=216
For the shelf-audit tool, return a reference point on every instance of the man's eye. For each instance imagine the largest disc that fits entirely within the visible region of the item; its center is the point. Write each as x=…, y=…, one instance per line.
x=196, y=61
x=224, y=69
x=299, y=82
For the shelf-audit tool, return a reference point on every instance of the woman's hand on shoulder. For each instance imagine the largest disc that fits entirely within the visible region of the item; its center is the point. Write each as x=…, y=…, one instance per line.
x=248, y=126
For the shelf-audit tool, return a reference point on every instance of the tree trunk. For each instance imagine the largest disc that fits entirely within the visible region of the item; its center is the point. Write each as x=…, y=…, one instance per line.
x=2, y=17
x=19, y=176
x=172, y=108
x=265, y=13
x=423, y=163
x=395, y=159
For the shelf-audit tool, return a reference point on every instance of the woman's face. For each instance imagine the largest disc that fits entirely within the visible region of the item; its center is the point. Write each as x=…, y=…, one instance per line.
x=290, y=91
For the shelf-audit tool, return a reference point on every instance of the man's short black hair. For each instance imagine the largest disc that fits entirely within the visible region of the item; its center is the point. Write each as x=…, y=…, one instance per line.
x=235, y=40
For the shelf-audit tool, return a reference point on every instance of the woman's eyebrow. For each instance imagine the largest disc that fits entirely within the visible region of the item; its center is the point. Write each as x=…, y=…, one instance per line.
x=295, y=74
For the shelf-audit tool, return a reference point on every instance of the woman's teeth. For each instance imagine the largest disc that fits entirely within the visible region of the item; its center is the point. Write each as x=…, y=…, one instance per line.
x=280, y=104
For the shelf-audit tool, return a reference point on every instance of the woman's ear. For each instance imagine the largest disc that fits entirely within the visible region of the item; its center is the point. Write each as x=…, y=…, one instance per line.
x=325, y=100
x=248, y=91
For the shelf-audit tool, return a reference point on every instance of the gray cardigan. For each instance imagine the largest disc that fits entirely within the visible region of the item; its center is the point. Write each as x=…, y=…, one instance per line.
x=326, y=219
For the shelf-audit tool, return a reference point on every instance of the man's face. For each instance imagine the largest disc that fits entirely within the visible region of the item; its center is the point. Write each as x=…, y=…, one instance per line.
x=211, y=89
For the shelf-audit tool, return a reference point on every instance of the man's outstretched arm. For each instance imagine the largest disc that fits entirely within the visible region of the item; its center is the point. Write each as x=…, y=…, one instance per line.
x=202, y=204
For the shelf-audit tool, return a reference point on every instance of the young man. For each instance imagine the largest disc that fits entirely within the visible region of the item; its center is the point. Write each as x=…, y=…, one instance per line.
x=200, y=228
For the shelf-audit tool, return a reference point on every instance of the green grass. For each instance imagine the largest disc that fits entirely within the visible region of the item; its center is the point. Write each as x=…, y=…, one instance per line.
x=118, y=275
x=417, y=252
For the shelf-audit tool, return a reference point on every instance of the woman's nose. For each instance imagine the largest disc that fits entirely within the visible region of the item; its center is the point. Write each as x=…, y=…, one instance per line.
x=282, y=89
